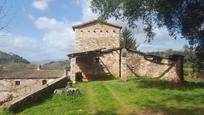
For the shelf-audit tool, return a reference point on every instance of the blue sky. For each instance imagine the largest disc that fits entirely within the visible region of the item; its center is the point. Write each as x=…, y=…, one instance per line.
x=41, y=30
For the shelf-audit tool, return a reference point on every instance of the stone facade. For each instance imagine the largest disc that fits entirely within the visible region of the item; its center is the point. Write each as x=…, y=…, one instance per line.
x=36, y=94
x=142, y=65
x=9, y=86
x=97, y=54
x=22, y=82
x=96, y=36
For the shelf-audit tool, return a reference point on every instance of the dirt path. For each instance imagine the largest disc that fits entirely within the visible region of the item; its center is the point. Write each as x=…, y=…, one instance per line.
x=91, y=100
x=126, y=108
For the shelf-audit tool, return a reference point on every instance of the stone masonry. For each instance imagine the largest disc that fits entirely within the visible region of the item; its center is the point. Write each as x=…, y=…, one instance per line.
x=96, y=35
x=98, y=54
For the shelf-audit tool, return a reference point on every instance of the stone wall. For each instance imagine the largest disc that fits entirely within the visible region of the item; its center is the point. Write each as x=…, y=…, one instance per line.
x=96, y=36
x=8, y=87
x=126, y=63
x=34, y=96
x=95, y=67
x=142, y=65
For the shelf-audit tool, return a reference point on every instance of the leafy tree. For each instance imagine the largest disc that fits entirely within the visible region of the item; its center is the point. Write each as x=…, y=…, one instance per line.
x=183, y=18
x=127, y=39
x=169, y=52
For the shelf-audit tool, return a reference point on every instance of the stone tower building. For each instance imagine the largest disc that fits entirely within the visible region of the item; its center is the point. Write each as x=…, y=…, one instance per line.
x=91, y=38
x=98, y=54
x=96, y=35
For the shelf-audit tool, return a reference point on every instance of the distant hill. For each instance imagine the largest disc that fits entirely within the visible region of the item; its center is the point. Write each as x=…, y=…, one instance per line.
x=59, y=63
x=11, y=58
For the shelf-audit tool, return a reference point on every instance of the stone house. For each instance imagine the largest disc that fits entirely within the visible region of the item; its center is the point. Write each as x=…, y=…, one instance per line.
x=21, y=83
x=98, y=54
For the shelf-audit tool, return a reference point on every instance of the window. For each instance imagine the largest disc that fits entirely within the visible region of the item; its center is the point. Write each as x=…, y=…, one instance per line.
x=107, y=31
x=113, y=31
x=17, y=82
x=44, y=82
x=81, y=30
x=101, y=31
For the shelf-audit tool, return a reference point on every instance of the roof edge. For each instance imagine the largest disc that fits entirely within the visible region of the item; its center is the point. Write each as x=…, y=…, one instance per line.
x=95, y=21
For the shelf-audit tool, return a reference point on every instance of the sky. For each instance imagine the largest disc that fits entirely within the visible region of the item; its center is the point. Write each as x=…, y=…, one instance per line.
x=41, y=30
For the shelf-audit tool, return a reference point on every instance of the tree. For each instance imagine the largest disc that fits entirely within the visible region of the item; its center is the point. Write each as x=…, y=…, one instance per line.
x=183, y=18
x=127, y=39
x=169, y=52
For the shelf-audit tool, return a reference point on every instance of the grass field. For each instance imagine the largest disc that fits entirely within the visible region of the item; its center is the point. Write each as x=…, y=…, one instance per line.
x=143, y=96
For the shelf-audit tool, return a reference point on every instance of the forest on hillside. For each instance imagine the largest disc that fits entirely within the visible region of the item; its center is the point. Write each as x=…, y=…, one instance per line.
x=10, y=58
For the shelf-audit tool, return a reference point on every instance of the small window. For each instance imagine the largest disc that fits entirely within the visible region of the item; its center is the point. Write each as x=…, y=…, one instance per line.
x=88, y=30
x=81, y=30
x=44, y=82
x=94, y=31
x=17, y=82
x=113, y=31
x=107, y=31
x=97, y=60
x=101, y=31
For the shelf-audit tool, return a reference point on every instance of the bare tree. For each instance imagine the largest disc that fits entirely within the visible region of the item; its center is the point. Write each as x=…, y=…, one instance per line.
x=5, y=16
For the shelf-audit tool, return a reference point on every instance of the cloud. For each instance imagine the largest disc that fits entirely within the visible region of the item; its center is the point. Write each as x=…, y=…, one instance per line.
x=60, y=39
x=87, y=14
x=40, y=5
x=37, y=50
x=46, y=23
x=25, y=46
x=162, y=41
x=56, y=42
x=58, y=34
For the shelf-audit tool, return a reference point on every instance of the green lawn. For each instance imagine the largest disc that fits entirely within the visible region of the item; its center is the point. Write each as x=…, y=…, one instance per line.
x=143, y=96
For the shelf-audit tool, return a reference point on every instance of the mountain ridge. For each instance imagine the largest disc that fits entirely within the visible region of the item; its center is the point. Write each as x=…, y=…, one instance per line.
x=11, y=58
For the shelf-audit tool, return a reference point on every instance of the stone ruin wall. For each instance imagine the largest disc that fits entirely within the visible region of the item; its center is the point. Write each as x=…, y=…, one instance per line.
x=133, y=64
x=108, y=65
x=138, y=65
x=96, y=36
x=112, y=62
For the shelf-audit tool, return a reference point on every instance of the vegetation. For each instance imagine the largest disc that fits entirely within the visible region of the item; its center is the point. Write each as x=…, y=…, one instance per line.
x=11, y=58
x=127, y=39
x=64, y=63
x=3, y=112
x=183, y=18
x=143, y=96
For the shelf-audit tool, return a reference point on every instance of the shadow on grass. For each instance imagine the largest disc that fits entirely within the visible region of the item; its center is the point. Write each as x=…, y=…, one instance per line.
x=162, y=84
x=161, y=107
x=28, y=104
x=105, y=113
x=103, y=78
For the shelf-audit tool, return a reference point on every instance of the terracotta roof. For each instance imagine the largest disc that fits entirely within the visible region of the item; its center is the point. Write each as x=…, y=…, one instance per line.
x=95, y=21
